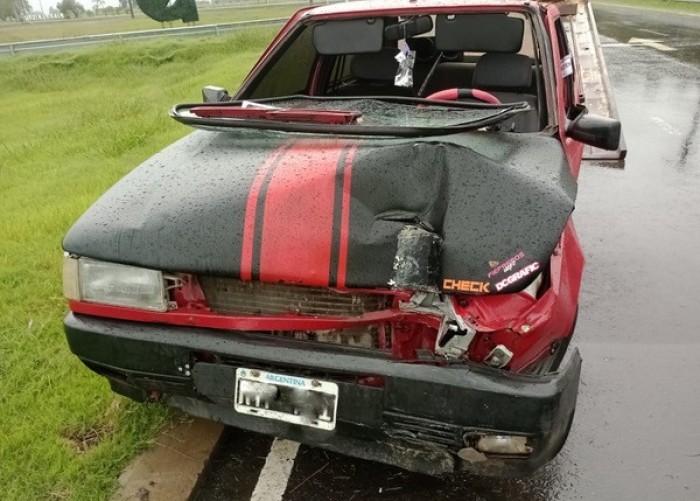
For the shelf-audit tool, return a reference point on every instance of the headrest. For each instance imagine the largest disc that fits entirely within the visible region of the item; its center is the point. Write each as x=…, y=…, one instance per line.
x=503, y=71
x=375, y=66
x=479, y=33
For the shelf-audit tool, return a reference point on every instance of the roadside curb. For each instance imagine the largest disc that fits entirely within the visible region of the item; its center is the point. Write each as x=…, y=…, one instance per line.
x=170, y=469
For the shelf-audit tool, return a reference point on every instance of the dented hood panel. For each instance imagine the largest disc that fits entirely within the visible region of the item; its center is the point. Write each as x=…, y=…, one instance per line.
x=477, y=212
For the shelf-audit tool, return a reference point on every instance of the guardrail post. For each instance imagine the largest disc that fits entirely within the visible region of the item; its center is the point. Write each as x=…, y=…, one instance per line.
x=53, y=44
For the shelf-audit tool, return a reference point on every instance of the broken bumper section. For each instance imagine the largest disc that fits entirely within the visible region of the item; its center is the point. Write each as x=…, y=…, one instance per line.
x=425, y=418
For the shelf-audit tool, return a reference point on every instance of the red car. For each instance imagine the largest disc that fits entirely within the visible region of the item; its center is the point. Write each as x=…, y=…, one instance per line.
x=368, y=248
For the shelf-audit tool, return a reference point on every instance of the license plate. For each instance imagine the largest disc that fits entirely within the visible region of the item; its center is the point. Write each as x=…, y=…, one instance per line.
x=292, y=399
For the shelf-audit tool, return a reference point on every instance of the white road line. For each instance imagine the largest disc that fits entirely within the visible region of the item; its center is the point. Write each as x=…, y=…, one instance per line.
x=614, y=44
x=665, y=126
x=654, y=44
x=274, y=476
x=658, y=33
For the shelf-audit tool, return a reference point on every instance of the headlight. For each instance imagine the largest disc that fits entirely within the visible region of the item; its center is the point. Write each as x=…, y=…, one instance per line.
x=93, y=281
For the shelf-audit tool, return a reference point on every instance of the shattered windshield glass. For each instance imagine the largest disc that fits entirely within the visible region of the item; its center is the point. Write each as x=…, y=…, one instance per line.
x=374, y=112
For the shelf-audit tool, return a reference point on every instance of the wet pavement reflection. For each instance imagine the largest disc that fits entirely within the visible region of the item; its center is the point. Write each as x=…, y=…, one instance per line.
x=676, y=31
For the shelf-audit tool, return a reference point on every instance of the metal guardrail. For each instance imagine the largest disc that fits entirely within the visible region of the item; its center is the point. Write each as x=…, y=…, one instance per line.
x=86, y=40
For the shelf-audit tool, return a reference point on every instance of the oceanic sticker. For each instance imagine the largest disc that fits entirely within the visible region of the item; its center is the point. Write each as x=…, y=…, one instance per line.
x=518, y=275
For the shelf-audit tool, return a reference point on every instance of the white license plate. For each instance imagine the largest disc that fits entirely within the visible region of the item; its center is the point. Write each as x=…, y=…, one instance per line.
x=292, y=399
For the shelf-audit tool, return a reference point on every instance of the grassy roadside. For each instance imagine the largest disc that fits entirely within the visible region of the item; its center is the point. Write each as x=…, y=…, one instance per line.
x=70, y=126
x=660, y=5
x=21, y=32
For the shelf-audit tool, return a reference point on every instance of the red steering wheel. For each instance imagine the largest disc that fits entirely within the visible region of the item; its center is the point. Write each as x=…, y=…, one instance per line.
x=454, y=94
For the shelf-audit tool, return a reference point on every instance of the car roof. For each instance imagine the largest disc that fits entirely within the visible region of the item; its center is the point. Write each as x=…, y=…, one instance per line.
x=408, y=5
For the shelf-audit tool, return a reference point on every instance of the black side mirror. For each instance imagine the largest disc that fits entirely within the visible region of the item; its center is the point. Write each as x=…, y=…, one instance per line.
x=594, y=130
x=214, y=94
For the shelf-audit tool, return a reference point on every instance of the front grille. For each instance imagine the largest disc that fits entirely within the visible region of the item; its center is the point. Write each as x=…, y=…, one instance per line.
x=364, y=336
x=236, y=297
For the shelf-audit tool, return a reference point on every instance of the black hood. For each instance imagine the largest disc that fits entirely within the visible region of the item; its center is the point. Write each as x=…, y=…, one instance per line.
x=477, y=212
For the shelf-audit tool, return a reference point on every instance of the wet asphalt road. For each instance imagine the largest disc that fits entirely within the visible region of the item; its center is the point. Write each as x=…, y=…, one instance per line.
x=636, y=434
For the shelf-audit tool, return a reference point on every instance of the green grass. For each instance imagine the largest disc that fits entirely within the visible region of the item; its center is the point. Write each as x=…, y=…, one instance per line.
x=21, y=32
x=70, y=126
x=662, y=5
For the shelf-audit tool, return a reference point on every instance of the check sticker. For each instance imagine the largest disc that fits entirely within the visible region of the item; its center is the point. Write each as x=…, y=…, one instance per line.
x=567, y=66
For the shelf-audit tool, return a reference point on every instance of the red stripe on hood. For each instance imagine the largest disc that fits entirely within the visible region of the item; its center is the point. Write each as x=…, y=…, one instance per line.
x=250, y=213
x=297, y=228
x=345, y=218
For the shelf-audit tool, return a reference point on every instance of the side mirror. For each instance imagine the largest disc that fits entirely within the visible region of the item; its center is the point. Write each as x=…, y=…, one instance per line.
x=214, y=94
x=595, y=130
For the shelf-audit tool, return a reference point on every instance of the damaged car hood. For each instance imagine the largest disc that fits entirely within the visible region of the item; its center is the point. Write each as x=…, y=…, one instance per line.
x=474, y=212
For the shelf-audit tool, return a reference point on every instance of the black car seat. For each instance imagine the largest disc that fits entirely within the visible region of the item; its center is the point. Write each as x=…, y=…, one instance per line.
x=501, y=70
x=509, y=78
x=374, y=74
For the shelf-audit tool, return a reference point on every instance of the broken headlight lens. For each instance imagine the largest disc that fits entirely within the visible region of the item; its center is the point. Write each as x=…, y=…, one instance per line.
x=94, y=281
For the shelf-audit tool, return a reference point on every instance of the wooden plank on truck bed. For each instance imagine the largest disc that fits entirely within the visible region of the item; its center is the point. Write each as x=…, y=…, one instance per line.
x=579, y=22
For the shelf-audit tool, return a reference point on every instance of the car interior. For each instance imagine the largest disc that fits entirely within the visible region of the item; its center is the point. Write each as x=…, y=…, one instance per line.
x=490, y=52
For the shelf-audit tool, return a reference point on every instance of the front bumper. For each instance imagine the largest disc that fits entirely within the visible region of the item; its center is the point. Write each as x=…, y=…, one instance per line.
x=417, y=420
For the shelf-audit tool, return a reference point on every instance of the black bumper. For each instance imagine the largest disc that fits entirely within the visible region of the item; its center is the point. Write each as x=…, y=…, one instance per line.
x=417, y=420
